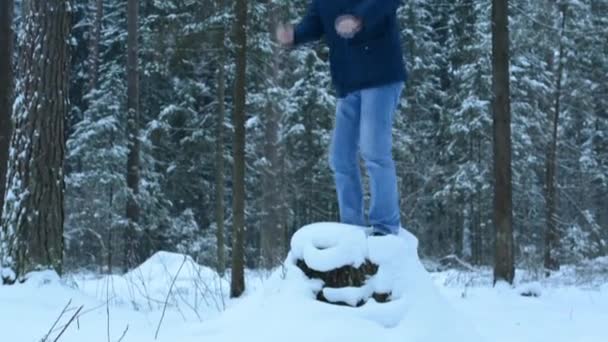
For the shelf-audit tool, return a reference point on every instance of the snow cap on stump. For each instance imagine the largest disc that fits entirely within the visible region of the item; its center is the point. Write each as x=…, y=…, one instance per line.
x=352, y=267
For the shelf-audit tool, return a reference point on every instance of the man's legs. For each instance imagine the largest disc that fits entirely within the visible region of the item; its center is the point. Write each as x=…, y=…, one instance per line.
x=343, y=160
x=377, y=111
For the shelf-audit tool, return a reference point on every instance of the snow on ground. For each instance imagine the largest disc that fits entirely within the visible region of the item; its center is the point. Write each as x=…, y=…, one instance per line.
x=197, y=290
x=415, y=308
x=559, y=314
x=446, y=306
x=286, y=309
x=571, y=306
x=134, y=301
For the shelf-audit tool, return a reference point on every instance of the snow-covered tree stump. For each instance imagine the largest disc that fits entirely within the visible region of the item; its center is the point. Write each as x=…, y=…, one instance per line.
x=339, y=264
x=345, y=278
x=350, y=267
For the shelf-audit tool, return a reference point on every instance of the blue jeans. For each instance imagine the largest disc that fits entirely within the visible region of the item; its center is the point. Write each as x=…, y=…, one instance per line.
x=364, y=122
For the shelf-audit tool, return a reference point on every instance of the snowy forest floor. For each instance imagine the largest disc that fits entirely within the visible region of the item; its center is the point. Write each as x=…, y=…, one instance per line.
x=566, y=307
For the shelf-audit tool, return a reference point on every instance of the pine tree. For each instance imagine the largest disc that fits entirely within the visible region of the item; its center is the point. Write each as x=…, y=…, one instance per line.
x=531, y=91
x=33, y=216
x=307, y=135
x=417, y=126
x=469, y=119
x=95, y=44
x=179, y=103
x=552, y=235
x=83, y=21
x=220, y=171
x=266, y=87
x=6, y=89
x=579, y=65
x=133, y=133
x=594, y=159
x=96, y=154
x=237, y=284
x=504, y=268
x=443, y=147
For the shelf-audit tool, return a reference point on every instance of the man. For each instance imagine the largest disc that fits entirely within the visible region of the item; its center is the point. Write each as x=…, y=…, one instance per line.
x=368, y=73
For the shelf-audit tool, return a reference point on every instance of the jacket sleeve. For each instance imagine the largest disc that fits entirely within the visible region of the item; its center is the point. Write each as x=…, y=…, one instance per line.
x=372, y=12
x=311, y=27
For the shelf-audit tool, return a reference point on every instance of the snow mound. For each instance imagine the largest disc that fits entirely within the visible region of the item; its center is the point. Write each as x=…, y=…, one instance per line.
x=532, y=289
x=7, y=274
x=165, y=277
x=286, y=308
x=42, y=278
x=163, y=267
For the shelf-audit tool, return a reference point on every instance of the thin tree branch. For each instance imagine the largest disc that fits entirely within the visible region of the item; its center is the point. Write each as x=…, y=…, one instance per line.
x=65, y=308
x=69, y=323
x=160, y=322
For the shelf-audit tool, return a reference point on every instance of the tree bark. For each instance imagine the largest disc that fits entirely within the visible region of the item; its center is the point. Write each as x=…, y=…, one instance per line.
x=6, y=89
x=477, y=240
x=551, y=231
x=237, y=286
x=219, y=150
x=271, y=229
x=96, y=34
x=132, y=131
x=503, y=216
x=32, y=229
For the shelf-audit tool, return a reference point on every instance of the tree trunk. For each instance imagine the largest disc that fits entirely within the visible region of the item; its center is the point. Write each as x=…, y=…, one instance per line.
x=237, y=286
x=219, y=150
x=132, y=131
x=503, y=215
x=551, y=231
x=284, y=212
x=96, y=34
x=6, y=89
x=477, y=212
x=479, y=225
x=271, y=232
x=32, y=229
x=110, y=230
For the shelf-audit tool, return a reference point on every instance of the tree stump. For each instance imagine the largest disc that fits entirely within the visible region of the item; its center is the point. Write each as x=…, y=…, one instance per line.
x=344, y=277
x=349, y=267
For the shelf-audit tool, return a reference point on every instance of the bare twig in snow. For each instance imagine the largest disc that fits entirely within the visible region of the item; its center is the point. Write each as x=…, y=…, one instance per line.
x=65, y=308
x=69, y=323
x=79, y=314
x=167, y=298
x=124, y=333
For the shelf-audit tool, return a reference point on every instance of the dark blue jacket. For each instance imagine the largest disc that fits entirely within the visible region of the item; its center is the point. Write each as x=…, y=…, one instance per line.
x=373, y=57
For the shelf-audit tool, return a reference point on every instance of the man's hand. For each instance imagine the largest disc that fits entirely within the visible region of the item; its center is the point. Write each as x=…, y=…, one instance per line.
x=347, y=26
x=285, y=35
